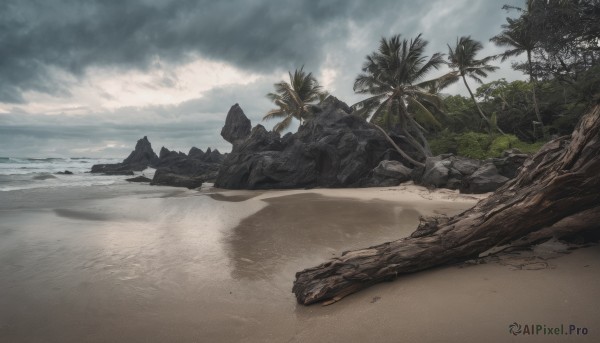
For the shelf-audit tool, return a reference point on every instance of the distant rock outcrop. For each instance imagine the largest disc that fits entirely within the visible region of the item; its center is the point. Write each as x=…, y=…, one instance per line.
x=164, y=177
x=180, y=170
x=334, y=149
x=141, y=158
x=172, y=168
x=469, y=175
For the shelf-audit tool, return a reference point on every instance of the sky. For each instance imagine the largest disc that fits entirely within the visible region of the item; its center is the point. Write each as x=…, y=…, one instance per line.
x=89, y=78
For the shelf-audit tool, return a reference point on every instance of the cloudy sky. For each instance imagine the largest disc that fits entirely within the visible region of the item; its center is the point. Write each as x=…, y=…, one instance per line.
x=88, y=78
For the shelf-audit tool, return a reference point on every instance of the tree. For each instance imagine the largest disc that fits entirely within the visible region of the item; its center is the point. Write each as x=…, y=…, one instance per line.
x=400, y=99
x=463, y=59
x=294, y=99
x=518, y=36
x=565, y=33
x=555, y=194
x=513, y=105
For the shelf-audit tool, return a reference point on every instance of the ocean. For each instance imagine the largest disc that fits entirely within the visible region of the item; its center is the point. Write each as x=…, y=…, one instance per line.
x=26, y=173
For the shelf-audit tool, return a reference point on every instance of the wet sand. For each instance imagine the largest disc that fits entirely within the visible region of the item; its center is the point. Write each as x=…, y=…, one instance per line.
x=136, y=263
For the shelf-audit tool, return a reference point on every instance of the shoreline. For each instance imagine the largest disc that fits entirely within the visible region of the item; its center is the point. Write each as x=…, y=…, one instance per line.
x=143, y=263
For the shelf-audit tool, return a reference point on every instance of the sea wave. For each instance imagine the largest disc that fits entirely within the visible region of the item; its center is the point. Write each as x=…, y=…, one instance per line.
x=26, y=173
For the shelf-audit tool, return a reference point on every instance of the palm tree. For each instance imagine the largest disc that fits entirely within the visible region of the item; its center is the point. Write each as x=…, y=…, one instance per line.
x=517, y=35
x=294, y=99
x=393, y=76
x=462, y=60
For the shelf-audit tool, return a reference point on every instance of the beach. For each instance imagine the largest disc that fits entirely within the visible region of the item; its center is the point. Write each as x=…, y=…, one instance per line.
x=137, y=263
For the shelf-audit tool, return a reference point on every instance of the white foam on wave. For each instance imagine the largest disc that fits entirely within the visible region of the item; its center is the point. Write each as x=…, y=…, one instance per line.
x=30, y=173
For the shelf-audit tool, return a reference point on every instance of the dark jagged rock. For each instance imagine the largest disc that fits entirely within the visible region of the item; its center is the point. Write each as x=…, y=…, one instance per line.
x=141, y=158
x=469, y=175
x=180, y=170
x=389, y=173
x=483, y=180
x=237, y=125
x=510, y=162
x=66, y=172
x=334, y=149
x=437, y=171
x=140, y=178
x=165, y=177
x=110, y=171
x=196, y=153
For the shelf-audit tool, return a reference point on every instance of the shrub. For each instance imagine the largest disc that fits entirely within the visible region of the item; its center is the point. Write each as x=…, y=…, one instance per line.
x=473, y=145
x=478, y=145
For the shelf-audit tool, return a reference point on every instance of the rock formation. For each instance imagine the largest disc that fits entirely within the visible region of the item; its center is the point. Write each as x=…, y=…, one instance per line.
x=334, y=149
x=180, y=170
x=141, y=158
x=469, y=175
x=237, y=125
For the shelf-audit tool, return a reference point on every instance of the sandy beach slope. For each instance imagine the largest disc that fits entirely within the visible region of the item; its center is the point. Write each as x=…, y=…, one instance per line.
x=134, y=263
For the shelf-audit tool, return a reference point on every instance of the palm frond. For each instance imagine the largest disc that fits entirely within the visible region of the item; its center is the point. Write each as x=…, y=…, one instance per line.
x=283, y=125
x=422, y=114
x=275, y=114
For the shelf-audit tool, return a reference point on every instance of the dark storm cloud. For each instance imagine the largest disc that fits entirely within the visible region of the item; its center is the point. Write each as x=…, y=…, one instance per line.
x=261, y=35
x=42, y=39
x=73, y=35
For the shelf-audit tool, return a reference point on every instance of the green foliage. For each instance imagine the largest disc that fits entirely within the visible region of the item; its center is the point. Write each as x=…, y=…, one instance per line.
x=460, y=114
x=444, y=143
x=501, y=143
x=479, y=145
x=473, y=145
x=398, y=98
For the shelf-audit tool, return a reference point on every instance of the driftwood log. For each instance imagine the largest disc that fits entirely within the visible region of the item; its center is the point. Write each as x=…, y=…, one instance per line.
x=556, y=193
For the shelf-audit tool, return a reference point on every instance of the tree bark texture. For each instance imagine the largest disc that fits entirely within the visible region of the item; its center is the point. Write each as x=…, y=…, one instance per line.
x=556, y=193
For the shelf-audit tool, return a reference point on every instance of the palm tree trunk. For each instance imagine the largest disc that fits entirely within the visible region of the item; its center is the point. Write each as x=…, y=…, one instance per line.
x=421, y=137
x=486, y=119
x=407, y=122
x=535, y=103
x=400, y=151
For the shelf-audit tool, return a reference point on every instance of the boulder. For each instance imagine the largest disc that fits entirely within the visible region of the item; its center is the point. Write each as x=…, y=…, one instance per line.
x=164, y=177
x=483, y=180
x=437, y=171
x=118, y=172
x=140, y=178
x=388, y=173
x=510, y=162
x=335, y=148
x=66, y=172
x=464, y=165
x=237, y=125
x=393, y=169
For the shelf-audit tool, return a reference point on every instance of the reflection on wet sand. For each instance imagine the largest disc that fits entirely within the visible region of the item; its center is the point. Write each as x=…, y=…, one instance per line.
x=137, y=263
x=235, y=198
x=85, y=215
x=295, y=226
